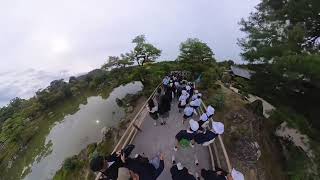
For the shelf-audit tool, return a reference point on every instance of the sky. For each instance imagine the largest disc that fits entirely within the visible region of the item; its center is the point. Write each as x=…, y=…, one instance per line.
x=43, y=40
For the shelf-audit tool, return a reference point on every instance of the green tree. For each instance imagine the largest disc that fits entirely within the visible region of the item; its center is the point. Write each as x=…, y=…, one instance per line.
x=143, y=51
x=280, y=28
x=194, y=50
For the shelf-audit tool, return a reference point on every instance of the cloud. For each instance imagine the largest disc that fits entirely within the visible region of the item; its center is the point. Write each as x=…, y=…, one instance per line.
x=78, y=35
x=24, y=84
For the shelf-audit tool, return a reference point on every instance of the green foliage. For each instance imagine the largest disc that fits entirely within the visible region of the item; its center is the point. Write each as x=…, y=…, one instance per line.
x=143, y=52
x=217, y=100
x=194, y=50
x=280, y=28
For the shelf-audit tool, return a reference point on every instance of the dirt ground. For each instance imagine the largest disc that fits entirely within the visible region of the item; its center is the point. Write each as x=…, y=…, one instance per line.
x=251, y=147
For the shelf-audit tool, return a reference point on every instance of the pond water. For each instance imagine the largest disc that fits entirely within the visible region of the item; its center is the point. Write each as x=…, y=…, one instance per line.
x=69, y=136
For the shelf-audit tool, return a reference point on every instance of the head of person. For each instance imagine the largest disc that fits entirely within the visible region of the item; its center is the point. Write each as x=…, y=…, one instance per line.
x=194, y=125
x=126, y=174
x=151, y=103
x=98, y=163
x=217, y=127
x=199, y=95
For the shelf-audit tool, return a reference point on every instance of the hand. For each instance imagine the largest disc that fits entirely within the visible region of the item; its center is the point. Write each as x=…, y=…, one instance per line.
x=123, y=159
x=229, y=177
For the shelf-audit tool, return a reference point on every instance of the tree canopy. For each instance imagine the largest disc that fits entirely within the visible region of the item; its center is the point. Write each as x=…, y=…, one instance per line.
x=194, y=50
x=279, y=28
x=143, y=51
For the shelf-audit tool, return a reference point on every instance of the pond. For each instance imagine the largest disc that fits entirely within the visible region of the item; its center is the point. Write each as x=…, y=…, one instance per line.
x=69, y=136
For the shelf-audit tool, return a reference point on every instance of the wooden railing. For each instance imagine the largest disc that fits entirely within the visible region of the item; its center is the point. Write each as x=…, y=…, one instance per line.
x=131, y=131
x=214, y=146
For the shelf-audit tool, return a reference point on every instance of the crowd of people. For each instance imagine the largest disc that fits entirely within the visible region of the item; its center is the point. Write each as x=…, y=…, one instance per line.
x=174, y=87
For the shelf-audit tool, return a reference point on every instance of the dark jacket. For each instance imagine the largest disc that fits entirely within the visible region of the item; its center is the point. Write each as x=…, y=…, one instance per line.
x=164, y=105
x=181, y=174
x=201, y=138
x=145, y=170
x=212, y=175
x=183, y=134
x=112, y=171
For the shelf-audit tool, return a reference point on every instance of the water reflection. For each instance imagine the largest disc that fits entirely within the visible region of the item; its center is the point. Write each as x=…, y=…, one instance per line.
x=69, y=136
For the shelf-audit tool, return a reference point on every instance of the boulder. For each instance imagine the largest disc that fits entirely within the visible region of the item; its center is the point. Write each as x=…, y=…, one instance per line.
x=119, y=102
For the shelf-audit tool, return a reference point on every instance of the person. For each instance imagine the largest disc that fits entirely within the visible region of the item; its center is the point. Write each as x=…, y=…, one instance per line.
x=218, y=174
x=203, y=121
x=195, y=95
x=183, y=100
x=197, y=102
x=109, y=165
x=187, y=113
x=153, y=110
x=164, y=107
x=205, y=138
x=210, y=111
x=187, y=134
x=178, y=172
x=158, y=95
x=145, y=169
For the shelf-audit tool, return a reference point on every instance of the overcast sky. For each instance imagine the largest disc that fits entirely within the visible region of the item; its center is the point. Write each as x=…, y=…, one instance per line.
x=57, y=38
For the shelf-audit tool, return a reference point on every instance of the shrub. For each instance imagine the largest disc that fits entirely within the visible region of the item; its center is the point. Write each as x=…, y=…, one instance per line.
x=217, y=100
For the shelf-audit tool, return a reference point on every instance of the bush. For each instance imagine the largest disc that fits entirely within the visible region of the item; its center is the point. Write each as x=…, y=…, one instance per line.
x=217, y=100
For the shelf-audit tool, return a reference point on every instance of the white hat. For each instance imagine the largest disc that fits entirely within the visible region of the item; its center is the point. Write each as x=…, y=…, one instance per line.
x=210, y=110
x=194, y=125
x=196, y=91
x=218, y=127
x=204, y=117
x=199, y=94
x=179, y=166
x=236, y=175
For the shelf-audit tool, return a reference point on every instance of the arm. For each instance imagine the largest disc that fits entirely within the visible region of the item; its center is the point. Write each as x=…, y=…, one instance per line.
x=160, y=169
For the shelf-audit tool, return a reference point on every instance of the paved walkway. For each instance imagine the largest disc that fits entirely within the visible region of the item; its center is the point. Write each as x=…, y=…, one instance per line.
x=154, y=139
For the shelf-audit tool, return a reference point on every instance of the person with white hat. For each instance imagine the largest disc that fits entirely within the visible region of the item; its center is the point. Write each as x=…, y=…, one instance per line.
x=210, y=111
x=217, y=127
x=178, y=172
x=183, y=100
x=188, y=113
x=197, y=102
x=187, y=134
x=203, y=120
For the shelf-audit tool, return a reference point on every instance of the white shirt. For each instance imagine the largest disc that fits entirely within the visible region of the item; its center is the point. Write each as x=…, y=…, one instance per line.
x=188, y=111
x=183, y=98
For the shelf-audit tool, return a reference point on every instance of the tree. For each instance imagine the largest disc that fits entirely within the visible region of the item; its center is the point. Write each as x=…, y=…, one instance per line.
x=143, y=52
x=112, y=61
x=124, y=60
x=194, y=50
x=280, y=28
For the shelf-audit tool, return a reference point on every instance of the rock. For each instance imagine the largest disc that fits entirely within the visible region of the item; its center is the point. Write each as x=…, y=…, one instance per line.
x=106, y=132
x=129, y=109
x=257, y=107
x=119, y=102
x=10, y=164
